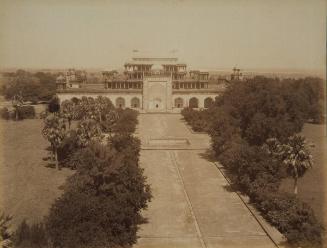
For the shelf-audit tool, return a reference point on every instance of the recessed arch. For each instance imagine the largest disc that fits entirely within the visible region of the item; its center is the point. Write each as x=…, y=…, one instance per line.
x=120, y=102
x=194, y=102
x=135, y=102
x=179, y=102
x=208, y=102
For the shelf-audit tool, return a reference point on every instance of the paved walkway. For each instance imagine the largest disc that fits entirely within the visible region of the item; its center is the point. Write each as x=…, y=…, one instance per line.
x=191, y=206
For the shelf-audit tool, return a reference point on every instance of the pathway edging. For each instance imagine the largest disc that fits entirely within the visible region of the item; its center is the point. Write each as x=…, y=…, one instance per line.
x=197, y=227
x=274, y=235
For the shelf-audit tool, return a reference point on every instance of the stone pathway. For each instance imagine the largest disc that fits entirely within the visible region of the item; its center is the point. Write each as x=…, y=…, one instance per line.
x=192, y=205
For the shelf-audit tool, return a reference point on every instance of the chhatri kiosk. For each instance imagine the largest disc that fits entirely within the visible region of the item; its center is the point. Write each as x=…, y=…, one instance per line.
x=148, y=84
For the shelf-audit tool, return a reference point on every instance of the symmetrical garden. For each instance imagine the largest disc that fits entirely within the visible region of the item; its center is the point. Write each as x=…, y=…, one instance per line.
x=254, y=128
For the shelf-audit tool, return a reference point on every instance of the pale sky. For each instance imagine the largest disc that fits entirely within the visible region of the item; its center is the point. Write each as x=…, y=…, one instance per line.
x=269, y=34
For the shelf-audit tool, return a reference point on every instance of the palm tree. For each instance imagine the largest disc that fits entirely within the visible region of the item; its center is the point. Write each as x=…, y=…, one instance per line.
x=67, y=108
x=54, y=131
x=294, y=154
x=17, y=102
x=297, y=158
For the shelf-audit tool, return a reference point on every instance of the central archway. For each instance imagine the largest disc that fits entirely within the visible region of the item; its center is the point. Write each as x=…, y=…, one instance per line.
x=156, y=104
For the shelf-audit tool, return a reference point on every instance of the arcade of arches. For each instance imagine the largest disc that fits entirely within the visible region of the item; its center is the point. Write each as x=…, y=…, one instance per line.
x=193, y=102
x=178, y=102
x=135, y=102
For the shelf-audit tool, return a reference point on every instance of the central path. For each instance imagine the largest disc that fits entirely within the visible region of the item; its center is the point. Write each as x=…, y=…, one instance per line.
x=191, y=205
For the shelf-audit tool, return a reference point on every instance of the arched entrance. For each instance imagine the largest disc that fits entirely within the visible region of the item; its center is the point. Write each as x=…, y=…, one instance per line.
x=120, y=102
x=156, y=104
x=179, y=102
x=194, y=102
x=208, y=102
x=135, y=102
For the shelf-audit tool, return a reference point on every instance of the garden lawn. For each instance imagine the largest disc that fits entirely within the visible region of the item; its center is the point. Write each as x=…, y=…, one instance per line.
x=28, y=186
x=312, y=187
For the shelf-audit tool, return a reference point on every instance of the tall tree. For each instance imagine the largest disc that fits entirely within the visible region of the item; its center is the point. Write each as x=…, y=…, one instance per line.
x=294, y=154
x=17, y=102
x=68, y=111
x=54, y=131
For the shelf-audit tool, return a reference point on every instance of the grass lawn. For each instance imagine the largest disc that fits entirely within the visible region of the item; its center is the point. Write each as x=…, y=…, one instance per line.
x=312, y=187
x=28, y=186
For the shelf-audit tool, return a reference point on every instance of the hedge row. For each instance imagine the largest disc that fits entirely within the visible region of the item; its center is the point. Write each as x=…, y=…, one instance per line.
x=102, y=202
x=19, y=113
x=196, y=119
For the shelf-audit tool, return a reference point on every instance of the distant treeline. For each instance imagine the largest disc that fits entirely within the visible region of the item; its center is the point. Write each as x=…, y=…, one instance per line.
x=32, y=87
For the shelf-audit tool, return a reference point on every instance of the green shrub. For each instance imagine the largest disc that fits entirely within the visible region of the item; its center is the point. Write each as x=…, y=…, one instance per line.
x=4, y=112
x=197, y=119
x=247, y=164
x=127, y=121
x=67, y=148
x=26, y=112
x=126, y=143
x=293, y=218
x=54, y=105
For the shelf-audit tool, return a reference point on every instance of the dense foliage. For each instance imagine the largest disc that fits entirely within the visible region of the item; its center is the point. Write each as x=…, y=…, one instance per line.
x=253, y=127
x=54, y=105
x=270, y=106
x=102, y=202
x=197, y=119
x=26, y=112
x=33, y=87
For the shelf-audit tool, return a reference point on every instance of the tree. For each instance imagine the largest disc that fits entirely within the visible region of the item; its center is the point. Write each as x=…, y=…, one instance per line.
x=68, y=109
x=88, y=130
x=297, y=158
x=294, y=154
x=17, y=102
x=54, y=131
x=102, y=204
x=48, y=85
x=54, y=105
